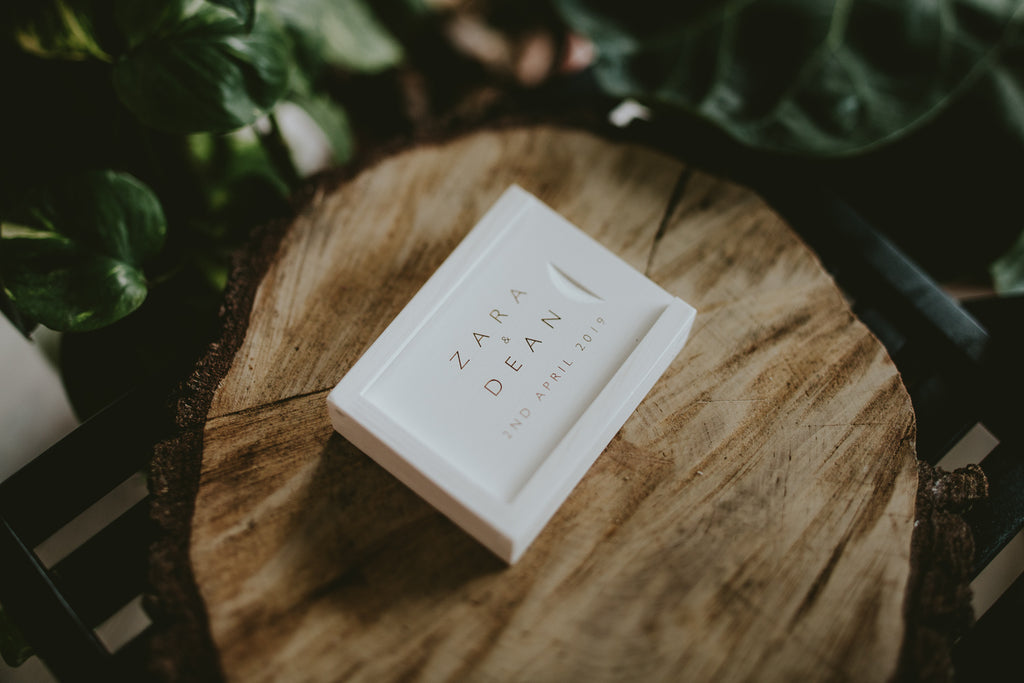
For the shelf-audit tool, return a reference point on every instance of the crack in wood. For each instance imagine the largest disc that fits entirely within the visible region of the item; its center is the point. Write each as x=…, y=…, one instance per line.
x=673, y=201
x=269, y=404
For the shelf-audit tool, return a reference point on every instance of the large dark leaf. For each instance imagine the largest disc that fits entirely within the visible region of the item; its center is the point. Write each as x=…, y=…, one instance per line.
x=138, y=21
x=207, y=74
x=344, y=33
x=804, y=76
x=75, y=261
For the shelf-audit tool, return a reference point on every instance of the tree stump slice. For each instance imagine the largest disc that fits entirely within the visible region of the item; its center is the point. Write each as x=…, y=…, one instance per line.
x=752, y=519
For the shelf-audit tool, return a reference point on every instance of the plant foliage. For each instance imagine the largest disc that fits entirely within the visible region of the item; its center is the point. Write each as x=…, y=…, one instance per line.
x=140, y=147
x=806, y=76
x=75, y=261
x=207, y=73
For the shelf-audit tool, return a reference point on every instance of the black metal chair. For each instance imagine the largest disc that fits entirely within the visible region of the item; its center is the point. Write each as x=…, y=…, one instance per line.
x=58, y=608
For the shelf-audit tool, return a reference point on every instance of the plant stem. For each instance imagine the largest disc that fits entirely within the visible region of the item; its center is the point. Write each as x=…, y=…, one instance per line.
x=280, y=157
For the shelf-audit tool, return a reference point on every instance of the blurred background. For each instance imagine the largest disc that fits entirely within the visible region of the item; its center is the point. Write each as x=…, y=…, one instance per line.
x=142, y=143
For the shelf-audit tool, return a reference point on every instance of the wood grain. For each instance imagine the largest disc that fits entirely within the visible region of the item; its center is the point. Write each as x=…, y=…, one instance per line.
x=752, y=519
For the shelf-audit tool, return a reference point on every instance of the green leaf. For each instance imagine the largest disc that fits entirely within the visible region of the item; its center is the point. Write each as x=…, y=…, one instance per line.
x=245, y=10
x=76, y=262
x=242, y=189
x=801, y=76
x=1008, y=271
x=166, y=335
x=206, y=74
x=138, y=21
x=225, y=161
x=56, y=29
x=344, y=33
x=108, y=212
x=65, y=286
x=19, y=320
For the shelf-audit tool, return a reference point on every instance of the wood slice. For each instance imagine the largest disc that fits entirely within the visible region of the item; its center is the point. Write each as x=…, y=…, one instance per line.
x=752, y=519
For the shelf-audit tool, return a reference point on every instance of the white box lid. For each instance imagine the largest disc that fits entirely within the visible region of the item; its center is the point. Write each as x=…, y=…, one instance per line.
x=495, y=389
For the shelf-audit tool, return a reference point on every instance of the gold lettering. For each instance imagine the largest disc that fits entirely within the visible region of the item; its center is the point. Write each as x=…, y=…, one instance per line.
x=547, y=322
x=516, y=294
x=512, y=364
x=496, y=314
x=478, y=336
x=491, y=389
x=457, y=357
x=531, y=342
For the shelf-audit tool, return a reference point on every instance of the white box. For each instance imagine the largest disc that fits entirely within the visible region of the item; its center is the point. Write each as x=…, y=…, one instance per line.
x=499, y=384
